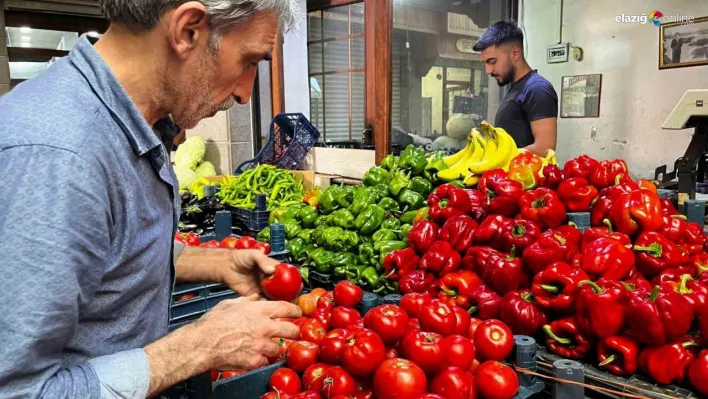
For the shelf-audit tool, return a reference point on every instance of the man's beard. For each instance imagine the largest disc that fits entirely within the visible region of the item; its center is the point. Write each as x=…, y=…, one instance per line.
x=507, y=78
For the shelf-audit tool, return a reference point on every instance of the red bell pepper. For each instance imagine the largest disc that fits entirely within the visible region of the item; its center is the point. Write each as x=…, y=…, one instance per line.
x=422, y=235
x=581, y=166
x=434, y=288
x=517, y=233
x=552, y=176
x=554, y=245
x=490, y=229
x=477, y=200
x=459, y=231
x=636, y=211
x=477, y=259
x=484, y=303
x=440, y=259
x=668, y=207
x=521, y=313
x=577, y=194
x=656, y=253
x=607, y=172
x=565, y=339
x=502, y=192
x=593, y=233
x=638, y=283
x=694, y=291
x=600, y=307
x=699, y=263
x=698, y=373
x=702, y=324
x=600, y=210
x=526, y=169
x=668, y=363
x=657, y=317
x=446, y=201
x=456, y=288
x=621, y=186
x=543, y=206
x=672, y=275
x=607, y=258
x=400, y=262
x=503, y=273
x=694, y=239
x=674, y=227
x=619, y=354
x=555, y=287
x=416, y=281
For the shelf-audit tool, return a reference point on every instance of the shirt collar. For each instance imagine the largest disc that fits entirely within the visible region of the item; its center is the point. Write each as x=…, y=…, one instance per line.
x=112, y=94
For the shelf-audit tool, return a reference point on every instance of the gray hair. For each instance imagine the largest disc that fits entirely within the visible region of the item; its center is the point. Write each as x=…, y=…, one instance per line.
x=222, y=14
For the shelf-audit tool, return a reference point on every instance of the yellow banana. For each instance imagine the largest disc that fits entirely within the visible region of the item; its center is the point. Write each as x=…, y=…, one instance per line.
x=459, y=169
x=471, y=180
x=505, y=151
x=550, y=158
x=451, y=160
x=478, y=149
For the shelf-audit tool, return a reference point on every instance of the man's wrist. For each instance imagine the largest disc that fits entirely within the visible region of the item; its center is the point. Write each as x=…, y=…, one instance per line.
x=199, y=264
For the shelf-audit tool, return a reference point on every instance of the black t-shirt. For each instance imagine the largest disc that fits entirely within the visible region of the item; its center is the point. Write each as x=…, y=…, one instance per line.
x=529, y=99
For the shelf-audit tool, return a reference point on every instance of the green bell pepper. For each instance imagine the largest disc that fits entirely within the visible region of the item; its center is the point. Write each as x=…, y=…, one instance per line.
x=400, y=180
x=408, y=217
x=371, y=278
x=436, y=163
x=375, y=176
x=411, y=200
x=307, y=216
x=338, y=239
x=324, y=220
x=383, y=248
x=343, y=218
x=382, y=189
x=389, y=162
x=413, y=159
x=405, y=229
x=296, y=247
x=363, y=198
x=346, y=196
x=369, y=220
x=389, y=204
x=322, y=260
x=305, y=274
x=458, y=184
x=420, y=185
x=306, y=235
x=264, y=235
x=366, y=253
x=318, y=235
x=391, y=224
x=281, y=215
x=344, y=259
x=385, y=235
x=292, y=228
x=328, y=200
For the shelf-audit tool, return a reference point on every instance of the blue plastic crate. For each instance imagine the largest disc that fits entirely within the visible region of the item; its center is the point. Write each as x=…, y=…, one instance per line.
x=216, y=289
x=249, y=385
x=181, y=289
x=215, y=299
x=189, y=309
x=252, y=220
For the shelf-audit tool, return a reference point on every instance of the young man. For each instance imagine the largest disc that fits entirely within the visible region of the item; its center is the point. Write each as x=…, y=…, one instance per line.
x=90, y=206
x=529, y=109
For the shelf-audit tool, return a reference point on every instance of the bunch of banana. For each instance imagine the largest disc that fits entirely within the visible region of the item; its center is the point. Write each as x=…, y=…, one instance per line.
x=460, y=162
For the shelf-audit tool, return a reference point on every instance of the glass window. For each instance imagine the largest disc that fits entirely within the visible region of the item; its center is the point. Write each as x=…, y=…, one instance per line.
x=436, y=76
x=40, y=38
x=336, y=69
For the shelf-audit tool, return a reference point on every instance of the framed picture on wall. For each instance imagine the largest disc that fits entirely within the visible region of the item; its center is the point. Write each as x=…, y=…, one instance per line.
x=683, y=44
x=580, y=96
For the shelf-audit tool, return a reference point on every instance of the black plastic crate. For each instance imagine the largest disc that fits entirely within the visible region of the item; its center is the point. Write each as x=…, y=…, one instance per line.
x=249, y=385
x=280, y=256
x=188, y=309
x=216, y=289
x=253, y=220
x=321, y=280
x=181, y=290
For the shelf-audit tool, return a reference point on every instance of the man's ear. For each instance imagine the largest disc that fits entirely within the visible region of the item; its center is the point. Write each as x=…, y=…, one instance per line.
x=187, y=26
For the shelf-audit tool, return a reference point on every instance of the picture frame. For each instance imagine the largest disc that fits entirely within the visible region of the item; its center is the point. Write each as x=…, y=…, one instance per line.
x=580, y=96
x=691, y=48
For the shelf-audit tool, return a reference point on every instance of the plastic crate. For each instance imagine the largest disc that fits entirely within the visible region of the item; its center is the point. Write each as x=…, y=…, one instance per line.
x=249, y=385
x=215, y=299
x=217, y=289
x=251, y=220
x=192, y=308
x=580, y=219
x=291, y=138
x=321, y=280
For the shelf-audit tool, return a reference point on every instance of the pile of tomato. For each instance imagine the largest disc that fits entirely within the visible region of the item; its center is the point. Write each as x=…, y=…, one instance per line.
x=422, y=348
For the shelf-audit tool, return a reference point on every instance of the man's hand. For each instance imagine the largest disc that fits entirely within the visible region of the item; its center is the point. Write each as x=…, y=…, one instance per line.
x=243, y=274
x=235, y=335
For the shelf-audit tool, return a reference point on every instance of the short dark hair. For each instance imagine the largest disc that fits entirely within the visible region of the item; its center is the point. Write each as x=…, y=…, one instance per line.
x=500, y=32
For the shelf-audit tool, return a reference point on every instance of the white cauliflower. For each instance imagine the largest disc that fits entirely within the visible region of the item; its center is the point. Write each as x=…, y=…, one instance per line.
x=190, y=153
x=185, y=176
x=206, y=169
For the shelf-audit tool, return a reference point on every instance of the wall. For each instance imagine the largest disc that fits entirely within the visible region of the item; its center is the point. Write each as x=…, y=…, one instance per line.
x=295, y=68
x=636, y=96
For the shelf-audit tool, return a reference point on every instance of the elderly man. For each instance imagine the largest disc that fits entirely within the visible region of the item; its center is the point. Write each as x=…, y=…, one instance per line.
x=90, y=206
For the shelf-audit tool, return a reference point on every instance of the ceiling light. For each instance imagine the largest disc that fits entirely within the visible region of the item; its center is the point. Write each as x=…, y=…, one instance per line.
x=25, y=29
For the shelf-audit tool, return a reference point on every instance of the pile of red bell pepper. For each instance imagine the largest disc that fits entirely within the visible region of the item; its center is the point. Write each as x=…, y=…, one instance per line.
x=628, y=294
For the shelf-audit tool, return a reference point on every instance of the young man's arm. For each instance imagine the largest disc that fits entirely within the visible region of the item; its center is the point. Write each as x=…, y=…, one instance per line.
x=541, y=107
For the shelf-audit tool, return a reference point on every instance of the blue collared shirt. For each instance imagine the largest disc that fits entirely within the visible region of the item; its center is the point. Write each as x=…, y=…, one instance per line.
x=89, y=206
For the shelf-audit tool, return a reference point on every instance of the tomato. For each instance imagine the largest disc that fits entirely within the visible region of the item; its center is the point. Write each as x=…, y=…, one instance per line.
x=264, y=247
x=363, y=352
x=283, y=345
x=391, y=353
x=338, y=382
x=283, y=285
x=312, y=331
x=214, y=375
x=276, y=395
x=210, y=244
x=186, y=297
x=457, y=351
x=343, y=317
x=496, y=380
x=188, y=239
x=424, y=349
x=390, y=322
x=462, y=325
x=324, y=316
x=413, y=301
x=225, y=375
x=246, y=242
x=399, y=378
x=474, y=366
x=228, y=242
x=332, y=346
x=347, y=294
x=299, y=321
x=308, y=302
x=437, y=316
x=301, y=355
x=308, y=395
x=413, y=324
x=357, y=325
x=430, y=396
x=363, y=389
x=285, y=380
x=454, y=383
x=314, y=376
x=493, y=340
x=474, y=323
